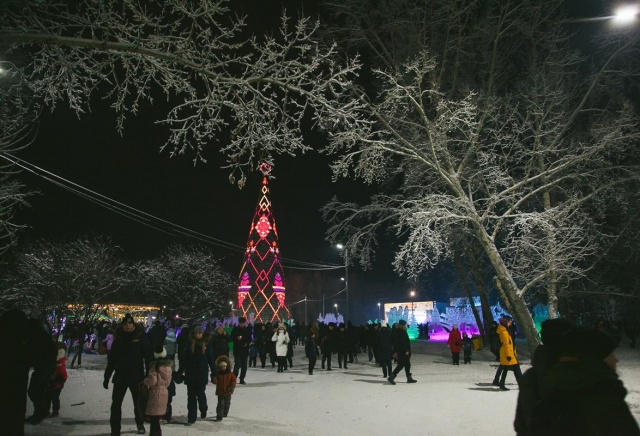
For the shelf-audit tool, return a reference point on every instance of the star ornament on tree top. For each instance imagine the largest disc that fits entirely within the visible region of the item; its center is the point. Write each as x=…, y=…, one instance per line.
x=265, y=168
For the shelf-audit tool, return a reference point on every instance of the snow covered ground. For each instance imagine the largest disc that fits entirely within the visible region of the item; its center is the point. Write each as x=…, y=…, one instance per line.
x=446, y=400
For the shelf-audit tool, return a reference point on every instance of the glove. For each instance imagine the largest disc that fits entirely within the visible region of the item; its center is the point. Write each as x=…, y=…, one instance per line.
x=508, y=358
x=105, y=383
x=231, y=389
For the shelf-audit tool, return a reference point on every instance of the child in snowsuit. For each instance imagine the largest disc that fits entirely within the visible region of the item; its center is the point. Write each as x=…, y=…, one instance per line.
x=158, y=381
x=467, y=347
x=57, y=380
x=253, y=354
x=225, y=381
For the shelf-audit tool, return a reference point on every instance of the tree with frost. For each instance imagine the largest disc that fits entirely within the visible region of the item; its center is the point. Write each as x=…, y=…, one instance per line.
x=249, y=97
x=485, y=124
x=76, y=278
x=186, y=281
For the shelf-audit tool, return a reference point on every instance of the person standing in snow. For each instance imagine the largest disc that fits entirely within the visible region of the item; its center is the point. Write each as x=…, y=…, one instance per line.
x=57, y=381
x=385, y=349
x=328, y=344
x=130, y=357
x=170, y=344
x=342, y=345
x=241, y=337
x=225, y=382
x=467, y=348
x=402, y=349
x=455, y=344
x=157, y=382
x=281, y=339
x=311, y=349
x=198, y=359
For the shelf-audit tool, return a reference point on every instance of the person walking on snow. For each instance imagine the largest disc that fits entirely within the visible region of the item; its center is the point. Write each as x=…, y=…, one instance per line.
x=57, y=381
x=508, y=357
x=157, y=382
x=198, y=359
x=225, y=382
x=128, y=361
x=241, y=337
x=402, y=348
x=281, y=338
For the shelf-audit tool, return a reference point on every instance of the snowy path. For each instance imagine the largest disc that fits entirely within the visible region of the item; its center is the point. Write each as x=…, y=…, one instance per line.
x=446, y=400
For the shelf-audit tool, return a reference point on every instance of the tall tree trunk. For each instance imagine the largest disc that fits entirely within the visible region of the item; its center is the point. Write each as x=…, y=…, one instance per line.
x=508, y=286
x=462, y=275
x=478, y=278
x=552, y=290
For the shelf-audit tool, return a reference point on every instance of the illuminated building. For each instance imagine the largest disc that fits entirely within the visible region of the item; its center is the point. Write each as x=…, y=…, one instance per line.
x=261, y=285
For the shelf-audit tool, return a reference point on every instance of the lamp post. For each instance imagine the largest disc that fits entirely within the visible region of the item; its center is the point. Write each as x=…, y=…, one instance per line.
x=379, y=312
x=346, y=277
x=412, y=294
x=231, y=307
x=306, y=312
x=336, y=306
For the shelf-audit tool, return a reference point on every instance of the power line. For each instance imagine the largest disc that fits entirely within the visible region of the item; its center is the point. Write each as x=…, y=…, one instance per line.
x=145, y=218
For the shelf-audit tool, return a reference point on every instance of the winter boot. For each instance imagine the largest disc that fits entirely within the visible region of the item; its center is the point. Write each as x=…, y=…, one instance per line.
x=391, y=379
x=503, y=388
x=411, y=380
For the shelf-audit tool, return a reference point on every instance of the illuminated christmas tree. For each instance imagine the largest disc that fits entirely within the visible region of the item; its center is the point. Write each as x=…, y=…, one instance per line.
x=261, y=288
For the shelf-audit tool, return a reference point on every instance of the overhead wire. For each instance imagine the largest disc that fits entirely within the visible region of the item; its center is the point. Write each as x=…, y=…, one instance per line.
x=145, y=218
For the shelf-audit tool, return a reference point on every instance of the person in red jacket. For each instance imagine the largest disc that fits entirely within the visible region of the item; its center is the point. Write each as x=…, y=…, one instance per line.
x=57, y=380
x=225, y=381
x=455, y=344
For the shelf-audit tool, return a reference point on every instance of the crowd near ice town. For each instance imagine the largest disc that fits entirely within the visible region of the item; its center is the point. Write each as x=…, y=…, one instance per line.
x=571, y=389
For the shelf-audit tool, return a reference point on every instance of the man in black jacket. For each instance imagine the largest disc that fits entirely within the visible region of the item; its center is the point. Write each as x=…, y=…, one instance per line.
x=130, y=358
x=241, y=337
x=402, y=348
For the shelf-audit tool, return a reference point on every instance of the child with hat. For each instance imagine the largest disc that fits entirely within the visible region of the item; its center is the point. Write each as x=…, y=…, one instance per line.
x=225, y=381
x=157, y=382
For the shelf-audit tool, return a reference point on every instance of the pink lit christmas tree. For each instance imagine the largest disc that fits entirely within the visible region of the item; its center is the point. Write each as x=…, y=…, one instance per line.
x=261, y=288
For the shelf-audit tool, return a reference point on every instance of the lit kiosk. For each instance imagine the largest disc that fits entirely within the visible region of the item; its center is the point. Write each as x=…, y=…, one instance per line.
x=261, y=288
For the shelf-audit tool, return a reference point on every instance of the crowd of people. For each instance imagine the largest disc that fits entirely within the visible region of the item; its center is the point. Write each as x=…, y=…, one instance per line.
x=571, y=388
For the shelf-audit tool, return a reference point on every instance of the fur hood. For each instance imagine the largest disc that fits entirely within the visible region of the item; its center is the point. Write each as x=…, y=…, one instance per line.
x=223, y=358
x=62, y=354
x=138, y=331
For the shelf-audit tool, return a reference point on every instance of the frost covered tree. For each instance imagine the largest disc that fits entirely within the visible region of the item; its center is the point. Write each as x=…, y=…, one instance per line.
x=485, y=123
x=187, y=281
x=74, y=277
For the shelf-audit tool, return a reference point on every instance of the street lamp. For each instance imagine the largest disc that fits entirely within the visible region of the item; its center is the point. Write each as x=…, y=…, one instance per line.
x=346, y=277
x=626, y=15
x=379, y=312
x=231, y=307
x=336, y=306
x=412, y=294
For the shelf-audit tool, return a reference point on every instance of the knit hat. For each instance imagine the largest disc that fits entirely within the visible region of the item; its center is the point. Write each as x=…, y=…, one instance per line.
x=504, y=322
x=402, y=322
x=455, y=326
x=583, y=342
x=242, y=319
x=551, y=331
x=281, y=325
x=128, y=318
x=159, y=352
x=332, y=324
x=341, y=325
x=198, y=329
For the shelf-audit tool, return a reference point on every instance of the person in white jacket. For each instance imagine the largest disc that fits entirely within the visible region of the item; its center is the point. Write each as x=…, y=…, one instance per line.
x=281, y=338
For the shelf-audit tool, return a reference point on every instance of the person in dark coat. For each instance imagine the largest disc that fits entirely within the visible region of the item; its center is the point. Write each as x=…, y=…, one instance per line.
x=42, y=358
x=182, y=340
x=385, y=349
x=342, y=345
x=467, y=348
x=198, y=360
x=544, y=358
x=29, y=345
x=157, y=335
x=220, y=342
x=241, y=337
x=582, y=394
x=328, y=345
x=402, y=349
x=263, y=342
x=128, y=362
x=311, y=349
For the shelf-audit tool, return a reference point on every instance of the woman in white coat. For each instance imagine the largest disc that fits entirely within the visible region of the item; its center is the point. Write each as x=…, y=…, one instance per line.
x=281, y=338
